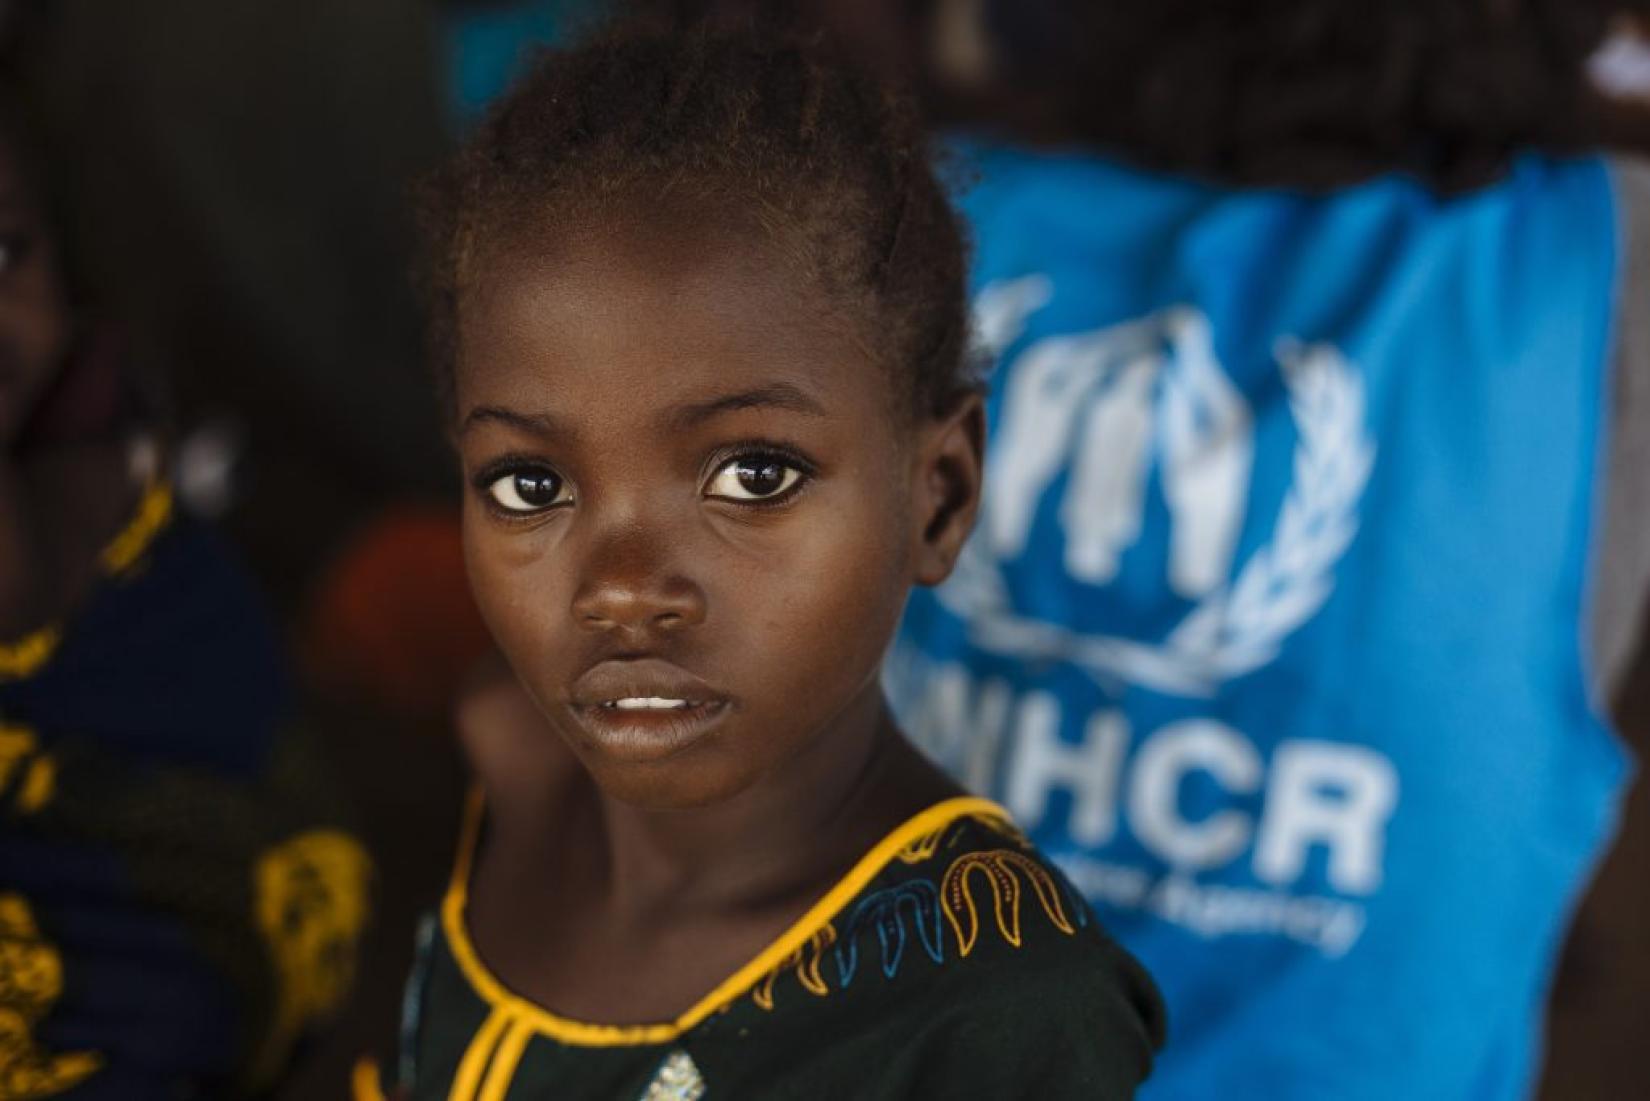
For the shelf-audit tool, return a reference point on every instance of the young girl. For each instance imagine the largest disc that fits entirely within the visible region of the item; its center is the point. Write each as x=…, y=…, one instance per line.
x=702, y=300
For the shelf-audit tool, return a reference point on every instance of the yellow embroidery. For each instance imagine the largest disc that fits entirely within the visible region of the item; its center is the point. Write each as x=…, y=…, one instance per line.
x=311, y=906
x=737, y=985
x=152, y=514
x=34, y=772
x=805, y=961
x=23, y=657
x=1002, y=824
x=923, y=847
x=31, y=980
x=998, y=867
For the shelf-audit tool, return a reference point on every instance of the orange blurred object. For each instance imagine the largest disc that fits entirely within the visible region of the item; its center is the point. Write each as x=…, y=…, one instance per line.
x=392, y=620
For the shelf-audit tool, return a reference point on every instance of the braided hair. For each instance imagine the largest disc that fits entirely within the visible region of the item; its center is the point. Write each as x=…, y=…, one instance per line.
x=831, y=165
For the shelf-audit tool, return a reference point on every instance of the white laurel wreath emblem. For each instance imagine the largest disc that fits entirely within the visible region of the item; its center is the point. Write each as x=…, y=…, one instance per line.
x=1240, y=627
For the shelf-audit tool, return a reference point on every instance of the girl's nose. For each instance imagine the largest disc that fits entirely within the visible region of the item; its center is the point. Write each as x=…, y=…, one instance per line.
x=629, y=584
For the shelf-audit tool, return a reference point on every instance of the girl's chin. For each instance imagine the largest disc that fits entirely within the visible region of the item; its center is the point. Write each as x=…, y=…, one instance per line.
x=704, y=774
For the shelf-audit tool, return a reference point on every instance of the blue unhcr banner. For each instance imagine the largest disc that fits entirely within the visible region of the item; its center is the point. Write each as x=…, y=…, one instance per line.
x=1270, y=630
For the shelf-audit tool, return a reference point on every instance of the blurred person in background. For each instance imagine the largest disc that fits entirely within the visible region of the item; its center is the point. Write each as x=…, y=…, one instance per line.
x=237, y=175
x=1313, y=543
x=1316, y=532
x=179, y=904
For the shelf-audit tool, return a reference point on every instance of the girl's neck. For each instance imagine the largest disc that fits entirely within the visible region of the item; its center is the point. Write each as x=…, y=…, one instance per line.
x=663, y=906
x=801, y=827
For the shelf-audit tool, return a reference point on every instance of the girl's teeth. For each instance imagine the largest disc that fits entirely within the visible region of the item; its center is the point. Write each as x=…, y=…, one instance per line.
x=648, y=703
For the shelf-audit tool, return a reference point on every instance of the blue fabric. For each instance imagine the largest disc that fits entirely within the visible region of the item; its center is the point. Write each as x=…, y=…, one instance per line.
x=491, y=45
x=1270, y=633
x=179, y=664
x=124, y=888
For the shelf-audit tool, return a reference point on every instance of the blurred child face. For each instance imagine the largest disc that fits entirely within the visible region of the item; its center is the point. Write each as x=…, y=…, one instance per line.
x=34, y=315
x=695, y=505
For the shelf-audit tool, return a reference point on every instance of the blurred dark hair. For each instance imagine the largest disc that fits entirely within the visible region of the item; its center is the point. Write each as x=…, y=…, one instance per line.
x=781, y=132
x=1301, y=93
x=1310, y=92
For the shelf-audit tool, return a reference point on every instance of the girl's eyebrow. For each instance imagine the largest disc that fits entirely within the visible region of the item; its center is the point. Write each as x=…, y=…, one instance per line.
x=774, y=395
x=541, y=424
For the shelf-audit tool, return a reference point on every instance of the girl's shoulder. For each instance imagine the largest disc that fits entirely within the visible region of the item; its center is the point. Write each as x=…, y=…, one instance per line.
x=964, y=961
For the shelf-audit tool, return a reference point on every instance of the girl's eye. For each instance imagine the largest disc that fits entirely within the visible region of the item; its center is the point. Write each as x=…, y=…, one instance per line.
x=528, y=491
x=753, y=478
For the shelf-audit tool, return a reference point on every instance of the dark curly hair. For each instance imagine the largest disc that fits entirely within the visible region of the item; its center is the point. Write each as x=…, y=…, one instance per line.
x=811, y=151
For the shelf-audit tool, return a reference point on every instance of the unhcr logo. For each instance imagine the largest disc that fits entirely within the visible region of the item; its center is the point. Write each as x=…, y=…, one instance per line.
x=1102, y=411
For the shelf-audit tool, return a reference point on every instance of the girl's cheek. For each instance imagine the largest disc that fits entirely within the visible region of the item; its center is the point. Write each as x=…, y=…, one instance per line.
x=499, y=594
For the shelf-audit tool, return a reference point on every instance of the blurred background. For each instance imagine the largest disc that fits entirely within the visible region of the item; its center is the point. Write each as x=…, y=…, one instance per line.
x=230, y=183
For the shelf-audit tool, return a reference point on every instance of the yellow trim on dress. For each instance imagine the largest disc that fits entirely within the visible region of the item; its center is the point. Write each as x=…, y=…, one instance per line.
x=34, y=772
x=27, y=655
x=153, y=513
x=505, y=1061
x=21, y=658
x=365, y=1084
x=478, y=1055
x=804, y=930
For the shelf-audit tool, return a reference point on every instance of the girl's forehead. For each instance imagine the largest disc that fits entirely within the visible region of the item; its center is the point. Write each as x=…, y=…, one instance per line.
x=654, y=310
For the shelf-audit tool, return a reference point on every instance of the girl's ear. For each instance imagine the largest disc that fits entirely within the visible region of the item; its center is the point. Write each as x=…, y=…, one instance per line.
x=950, y=459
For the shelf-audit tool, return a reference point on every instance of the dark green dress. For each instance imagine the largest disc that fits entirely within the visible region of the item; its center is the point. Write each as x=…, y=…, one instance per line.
x=952, y=962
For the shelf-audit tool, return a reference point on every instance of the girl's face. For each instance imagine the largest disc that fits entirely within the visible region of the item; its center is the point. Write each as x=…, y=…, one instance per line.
x=695, y=505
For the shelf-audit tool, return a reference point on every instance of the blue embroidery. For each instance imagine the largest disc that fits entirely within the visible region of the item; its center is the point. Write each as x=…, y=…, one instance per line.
x=883, y=908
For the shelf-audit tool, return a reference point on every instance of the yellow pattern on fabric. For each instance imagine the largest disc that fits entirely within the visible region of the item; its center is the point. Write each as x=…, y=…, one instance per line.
x=310, y=903
x=31, y=981
x=20, y=757
x=22, y=658
x=27, y=655
x=998, y=867
x=153, y=512
x=805, y=961
x=586, y=1034
x=923, y=848
x=1005, y=826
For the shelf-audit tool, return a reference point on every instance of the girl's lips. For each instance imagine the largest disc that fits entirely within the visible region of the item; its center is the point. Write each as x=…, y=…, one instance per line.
x=637, y=682
x=645, y=709
x=640, y=735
